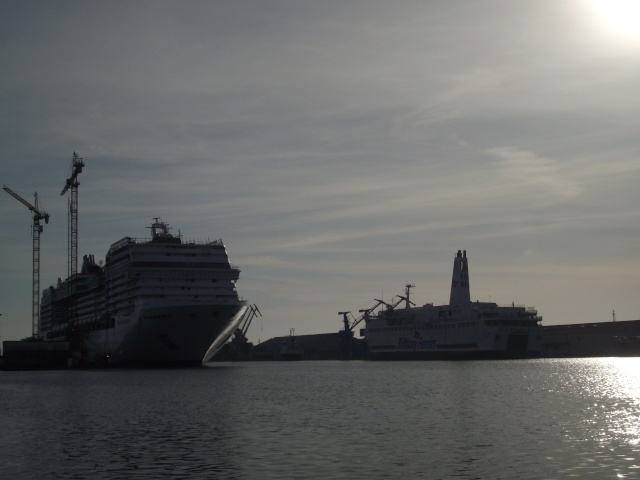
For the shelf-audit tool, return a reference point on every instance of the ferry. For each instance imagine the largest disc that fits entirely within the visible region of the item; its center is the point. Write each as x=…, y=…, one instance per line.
x=461, y=329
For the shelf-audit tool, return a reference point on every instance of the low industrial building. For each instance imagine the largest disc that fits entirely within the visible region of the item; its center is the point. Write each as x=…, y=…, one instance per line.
x=602, y=339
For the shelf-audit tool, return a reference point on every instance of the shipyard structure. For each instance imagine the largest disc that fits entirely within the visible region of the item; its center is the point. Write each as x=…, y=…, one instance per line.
x=158, y=300
x=461, y=329
x=599, y=339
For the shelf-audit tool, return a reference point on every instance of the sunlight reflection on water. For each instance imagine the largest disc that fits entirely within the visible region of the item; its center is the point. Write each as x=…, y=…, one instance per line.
x=600, y=406
x=610, y=388
x=552, y=418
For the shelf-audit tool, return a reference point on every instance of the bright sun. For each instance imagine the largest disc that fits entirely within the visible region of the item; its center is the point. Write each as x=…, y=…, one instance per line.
x=621, y=16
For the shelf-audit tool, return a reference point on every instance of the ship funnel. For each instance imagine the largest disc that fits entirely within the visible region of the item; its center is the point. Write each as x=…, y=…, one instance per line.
x=460, y=294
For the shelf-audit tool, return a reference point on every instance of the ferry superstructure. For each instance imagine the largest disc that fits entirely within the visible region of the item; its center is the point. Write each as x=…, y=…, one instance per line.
x=157, y=301
x=460, y=329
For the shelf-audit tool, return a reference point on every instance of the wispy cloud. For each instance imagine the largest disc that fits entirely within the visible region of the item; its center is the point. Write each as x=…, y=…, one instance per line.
x=533, y=174
x=336, y=147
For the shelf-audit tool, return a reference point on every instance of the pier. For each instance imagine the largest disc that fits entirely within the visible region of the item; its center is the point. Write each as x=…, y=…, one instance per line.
x=601, y=339
x=35, y=355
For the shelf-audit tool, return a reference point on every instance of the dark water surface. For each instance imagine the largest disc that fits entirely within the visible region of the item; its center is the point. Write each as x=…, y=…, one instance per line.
x=531, y=419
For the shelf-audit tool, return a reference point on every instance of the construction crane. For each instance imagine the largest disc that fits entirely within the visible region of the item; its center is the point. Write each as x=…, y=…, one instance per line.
x=243, y=326
x=72, y=183
x=38, y=215
x=239, y=345
x=72, y=233
x=350, y=321
x=348, y=347
x=349, y=325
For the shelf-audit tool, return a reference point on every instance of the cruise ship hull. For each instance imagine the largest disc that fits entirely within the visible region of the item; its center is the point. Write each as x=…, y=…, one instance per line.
x=163, y=336
x=178, y=335
x=156, y=302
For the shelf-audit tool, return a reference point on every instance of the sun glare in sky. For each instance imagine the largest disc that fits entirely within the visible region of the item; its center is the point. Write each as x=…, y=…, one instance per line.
x=622, y=17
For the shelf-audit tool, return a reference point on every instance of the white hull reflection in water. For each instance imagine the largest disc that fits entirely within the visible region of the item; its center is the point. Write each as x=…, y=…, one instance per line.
x=525, y=419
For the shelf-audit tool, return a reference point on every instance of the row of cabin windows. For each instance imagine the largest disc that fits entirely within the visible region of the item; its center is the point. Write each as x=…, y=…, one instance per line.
x=412, y=328
x=189, y=276
x=441, y=326
x=189, y=265
x=177, y=273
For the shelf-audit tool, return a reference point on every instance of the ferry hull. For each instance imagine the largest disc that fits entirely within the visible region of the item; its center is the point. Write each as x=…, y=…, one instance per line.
x=465, y=344
x=461, y=329
x=452, y=355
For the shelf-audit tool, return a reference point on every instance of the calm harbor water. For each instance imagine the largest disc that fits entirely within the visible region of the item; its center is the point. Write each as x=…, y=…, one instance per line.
x=531, y=419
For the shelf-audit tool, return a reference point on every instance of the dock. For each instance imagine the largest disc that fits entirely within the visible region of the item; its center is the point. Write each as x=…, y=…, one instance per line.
x=35, y=355
x=601, y=339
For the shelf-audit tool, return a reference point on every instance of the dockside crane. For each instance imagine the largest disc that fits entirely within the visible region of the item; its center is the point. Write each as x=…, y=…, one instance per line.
x=245, y=322
x=239, y=344
x=72, y=245
x=349, y=325
x=72, y=184
x=38, y=215
x=350, y=321
x=348, y=347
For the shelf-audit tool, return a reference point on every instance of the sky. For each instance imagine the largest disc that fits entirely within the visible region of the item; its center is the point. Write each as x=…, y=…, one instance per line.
x=340, y=149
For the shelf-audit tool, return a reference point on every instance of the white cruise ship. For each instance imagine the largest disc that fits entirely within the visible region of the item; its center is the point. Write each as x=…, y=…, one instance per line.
x=157, y=301
x=461, y=329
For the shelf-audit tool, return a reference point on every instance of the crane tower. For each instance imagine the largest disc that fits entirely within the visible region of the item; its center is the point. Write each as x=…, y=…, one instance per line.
x=72, y=183
x=38, y=215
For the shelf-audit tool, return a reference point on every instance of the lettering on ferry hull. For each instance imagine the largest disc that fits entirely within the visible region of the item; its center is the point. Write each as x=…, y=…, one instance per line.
x=416, y=344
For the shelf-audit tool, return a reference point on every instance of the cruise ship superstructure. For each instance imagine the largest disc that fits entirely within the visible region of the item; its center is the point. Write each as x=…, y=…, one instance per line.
x=157, y=301
x=460, y=329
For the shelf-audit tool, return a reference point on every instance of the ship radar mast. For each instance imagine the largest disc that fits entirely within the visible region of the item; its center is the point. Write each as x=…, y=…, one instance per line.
x=159, y=228
x=407, y=290
x=160, y=232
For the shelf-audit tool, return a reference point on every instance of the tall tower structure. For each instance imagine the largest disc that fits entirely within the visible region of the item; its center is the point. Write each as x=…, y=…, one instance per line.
x=460, y=294
x=72, y=184
x=38, y=215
